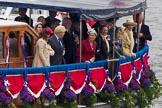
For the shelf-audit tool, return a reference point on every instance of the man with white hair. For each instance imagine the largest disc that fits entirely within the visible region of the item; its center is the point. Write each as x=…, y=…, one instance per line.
x=57, y=45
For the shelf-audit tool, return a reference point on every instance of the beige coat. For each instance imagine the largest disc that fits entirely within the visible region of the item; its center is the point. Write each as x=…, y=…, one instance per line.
x=42, y=53
x=127, y=43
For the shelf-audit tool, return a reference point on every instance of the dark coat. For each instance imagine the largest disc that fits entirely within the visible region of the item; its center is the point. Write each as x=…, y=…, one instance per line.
x=101, y=52
x=57, y=58
x=48, y=22
x=26, y=19
x=70, y=48
x=142, y=40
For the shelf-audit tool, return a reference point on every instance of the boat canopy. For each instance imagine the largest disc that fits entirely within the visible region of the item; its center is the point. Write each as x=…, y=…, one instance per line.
x=89, y=9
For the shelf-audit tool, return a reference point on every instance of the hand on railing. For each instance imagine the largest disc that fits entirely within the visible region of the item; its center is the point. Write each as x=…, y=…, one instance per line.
x=88, y=61
x=132, y=54
x=92, y=59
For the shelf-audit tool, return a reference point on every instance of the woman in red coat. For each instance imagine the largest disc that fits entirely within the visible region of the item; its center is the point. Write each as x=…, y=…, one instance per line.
x=88, y=48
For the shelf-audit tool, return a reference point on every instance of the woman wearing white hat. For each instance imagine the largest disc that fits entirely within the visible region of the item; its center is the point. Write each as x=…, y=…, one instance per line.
x=38, y=27
x=127, y=38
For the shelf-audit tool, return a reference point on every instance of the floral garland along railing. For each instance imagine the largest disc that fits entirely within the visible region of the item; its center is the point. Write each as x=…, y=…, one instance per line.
x=142, y=81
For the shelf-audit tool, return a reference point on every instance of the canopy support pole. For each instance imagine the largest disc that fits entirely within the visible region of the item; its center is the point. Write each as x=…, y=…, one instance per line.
x=80, y=39
x=114, y=27
x=113, y=53
x=144, y=14
x=30, y=11
x=80, y=59
x=138, y=24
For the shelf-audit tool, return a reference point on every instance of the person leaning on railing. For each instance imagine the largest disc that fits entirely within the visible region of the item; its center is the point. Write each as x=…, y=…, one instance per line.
x=118, y=52
x=88, y=48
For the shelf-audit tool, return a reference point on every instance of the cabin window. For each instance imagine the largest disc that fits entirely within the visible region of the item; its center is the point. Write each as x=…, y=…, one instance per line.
x=14, y=11
x=28, y=43
x=13, y=36
x=2, y=10
x=1, y=44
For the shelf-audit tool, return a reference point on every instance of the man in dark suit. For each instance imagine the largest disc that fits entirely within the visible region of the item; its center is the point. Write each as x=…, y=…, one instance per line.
x=143, y=35
x=103, y=48
x=57, y=45
x=23, y=17
x=69, y=42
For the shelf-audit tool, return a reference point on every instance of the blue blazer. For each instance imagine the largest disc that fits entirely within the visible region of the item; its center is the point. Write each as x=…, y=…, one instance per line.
x=57, y=58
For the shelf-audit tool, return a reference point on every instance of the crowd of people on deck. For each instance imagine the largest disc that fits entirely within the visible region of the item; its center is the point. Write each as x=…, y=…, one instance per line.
x=59, y=39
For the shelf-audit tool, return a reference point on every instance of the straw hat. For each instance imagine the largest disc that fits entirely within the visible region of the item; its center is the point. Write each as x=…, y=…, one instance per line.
x=129, y=22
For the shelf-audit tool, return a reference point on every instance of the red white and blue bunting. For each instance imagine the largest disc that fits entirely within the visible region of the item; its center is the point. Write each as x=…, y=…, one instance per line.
x=76, y=77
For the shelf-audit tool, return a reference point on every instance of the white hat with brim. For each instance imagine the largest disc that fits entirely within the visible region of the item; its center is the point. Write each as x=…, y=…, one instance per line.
x=91, y=30
x=129, y=22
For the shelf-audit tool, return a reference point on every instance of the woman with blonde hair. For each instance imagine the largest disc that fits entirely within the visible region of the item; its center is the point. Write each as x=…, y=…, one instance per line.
x=88, y=48
x=127, y=38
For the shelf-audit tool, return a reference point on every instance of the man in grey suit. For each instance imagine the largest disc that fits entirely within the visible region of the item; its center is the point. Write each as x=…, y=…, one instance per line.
x=57, y=45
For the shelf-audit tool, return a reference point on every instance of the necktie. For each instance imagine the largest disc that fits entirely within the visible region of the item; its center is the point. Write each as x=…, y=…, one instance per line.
x=61, y=45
